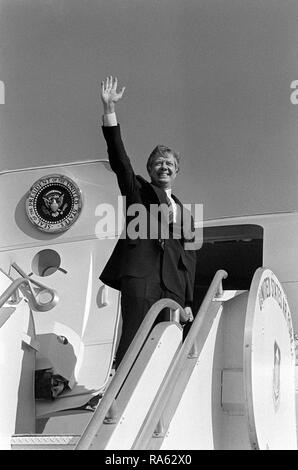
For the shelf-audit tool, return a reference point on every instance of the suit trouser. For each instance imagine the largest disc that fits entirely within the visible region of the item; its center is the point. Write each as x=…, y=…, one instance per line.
x=137, y=296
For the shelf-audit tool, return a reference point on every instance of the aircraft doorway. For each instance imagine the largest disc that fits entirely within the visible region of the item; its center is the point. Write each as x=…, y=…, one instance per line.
x=238, y=249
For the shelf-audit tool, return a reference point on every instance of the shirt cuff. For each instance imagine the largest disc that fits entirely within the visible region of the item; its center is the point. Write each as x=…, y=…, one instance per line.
x=109, y=120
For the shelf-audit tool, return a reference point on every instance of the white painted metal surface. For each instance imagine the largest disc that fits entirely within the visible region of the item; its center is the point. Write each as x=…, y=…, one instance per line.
x=86, y=314
x=17, y=365
x=269, y=365
x=191, y=426
x=141, y=387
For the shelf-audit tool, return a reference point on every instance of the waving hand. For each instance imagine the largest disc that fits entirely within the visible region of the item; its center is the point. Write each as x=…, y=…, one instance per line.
x=109, y=94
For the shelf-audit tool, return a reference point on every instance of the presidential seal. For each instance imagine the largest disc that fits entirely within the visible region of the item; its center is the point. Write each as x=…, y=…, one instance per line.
x=54, y=203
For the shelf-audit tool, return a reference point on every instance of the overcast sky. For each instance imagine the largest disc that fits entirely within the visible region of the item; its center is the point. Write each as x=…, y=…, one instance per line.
x=210, y=78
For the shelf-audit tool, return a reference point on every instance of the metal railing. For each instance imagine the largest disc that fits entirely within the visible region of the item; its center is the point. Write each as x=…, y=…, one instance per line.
x=107, y=408
x=191, y=349
x=24, y=283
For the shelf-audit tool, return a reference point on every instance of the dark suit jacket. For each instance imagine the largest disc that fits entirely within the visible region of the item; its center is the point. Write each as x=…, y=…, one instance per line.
x=139, y=257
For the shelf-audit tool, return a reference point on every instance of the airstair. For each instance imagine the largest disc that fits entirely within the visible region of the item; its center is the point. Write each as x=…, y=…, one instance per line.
x=206, y=392
x=228, y=384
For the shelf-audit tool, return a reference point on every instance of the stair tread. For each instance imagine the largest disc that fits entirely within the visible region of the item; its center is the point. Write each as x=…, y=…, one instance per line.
x=44, y=439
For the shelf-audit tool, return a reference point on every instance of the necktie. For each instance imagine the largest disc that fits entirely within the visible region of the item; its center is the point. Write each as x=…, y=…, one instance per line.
x=171, y=211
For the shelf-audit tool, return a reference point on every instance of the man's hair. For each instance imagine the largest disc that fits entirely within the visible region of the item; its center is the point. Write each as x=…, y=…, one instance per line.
x=162, y=150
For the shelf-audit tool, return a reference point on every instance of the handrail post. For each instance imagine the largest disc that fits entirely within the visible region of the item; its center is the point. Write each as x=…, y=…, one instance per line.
x=219, y=291
x=194, y=352
x=175, y=315
x=15, y=298
x=160, y=429
x=112, y=414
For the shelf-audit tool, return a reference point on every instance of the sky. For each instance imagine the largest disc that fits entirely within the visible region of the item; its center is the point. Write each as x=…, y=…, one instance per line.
x=209, y=78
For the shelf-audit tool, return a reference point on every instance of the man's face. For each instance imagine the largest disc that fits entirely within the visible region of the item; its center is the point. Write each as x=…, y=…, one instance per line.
x=163, y=170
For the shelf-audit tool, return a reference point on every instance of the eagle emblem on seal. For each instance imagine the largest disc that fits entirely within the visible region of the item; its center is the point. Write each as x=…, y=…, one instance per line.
x=53, y=201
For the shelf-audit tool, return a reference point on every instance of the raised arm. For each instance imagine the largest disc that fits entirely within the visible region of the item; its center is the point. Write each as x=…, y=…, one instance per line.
x=119, y=160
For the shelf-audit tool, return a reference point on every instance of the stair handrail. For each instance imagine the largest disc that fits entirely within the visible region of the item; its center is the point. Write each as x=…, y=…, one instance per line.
x=31, y=296
x=12, y=291
x=189, y=349
x=107, y=406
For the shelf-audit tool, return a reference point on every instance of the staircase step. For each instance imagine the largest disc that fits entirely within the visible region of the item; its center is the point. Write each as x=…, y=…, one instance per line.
x=44, y=441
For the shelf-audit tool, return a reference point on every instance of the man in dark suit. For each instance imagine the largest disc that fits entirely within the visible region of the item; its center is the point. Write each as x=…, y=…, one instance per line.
x=148, y=262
